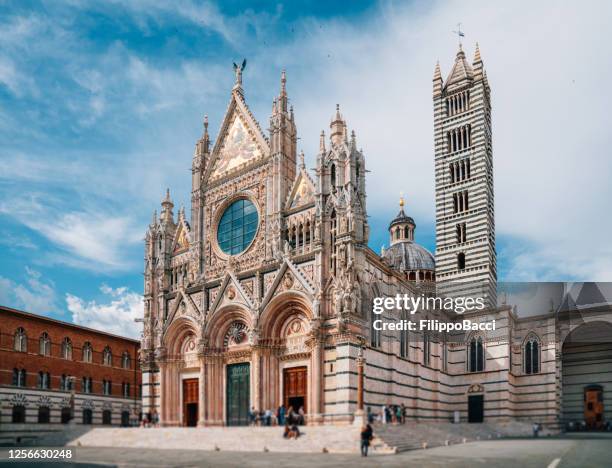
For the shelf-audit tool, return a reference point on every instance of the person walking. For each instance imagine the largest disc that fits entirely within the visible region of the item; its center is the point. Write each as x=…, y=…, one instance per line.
x=536, y=429
x=366, y=437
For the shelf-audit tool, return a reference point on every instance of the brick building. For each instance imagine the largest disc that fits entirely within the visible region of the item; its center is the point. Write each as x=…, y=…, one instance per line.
x=46, y=363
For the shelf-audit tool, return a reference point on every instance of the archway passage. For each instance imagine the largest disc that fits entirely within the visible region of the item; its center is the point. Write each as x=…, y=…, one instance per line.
x=587, y=376
x=238, y=394
x=295, y=385
x=190, y=402
x=475, y=408
x=125, y=418
x=87, y=416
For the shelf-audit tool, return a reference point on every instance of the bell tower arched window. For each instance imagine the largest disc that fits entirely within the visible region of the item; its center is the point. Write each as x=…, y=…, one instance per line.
x=461, y=261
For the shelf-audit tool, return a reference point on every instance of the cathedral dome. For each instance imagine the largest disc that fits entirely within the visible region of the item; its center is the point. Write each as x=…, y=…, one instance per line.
x=409, y=256
x=404, y=254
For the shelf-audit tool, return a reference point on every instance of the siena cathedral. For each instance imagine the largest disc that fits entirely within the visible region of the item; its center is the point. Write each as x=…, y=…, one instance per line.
x=263, y=297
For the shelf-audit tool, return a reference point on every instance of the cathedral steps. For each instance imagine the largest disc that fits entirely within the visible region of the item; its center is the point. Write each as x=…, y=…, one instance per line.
x=419, y=435
x=315, y=439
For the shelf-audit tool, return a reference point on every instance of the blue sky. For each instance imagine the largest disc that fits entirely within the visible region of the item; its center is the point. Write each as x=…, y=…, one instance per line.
x=101, y=104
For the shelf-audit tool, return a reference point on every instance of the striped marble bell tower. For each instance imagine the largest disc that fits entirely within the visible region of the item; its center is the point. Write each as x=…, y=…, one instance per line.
x=465, y=222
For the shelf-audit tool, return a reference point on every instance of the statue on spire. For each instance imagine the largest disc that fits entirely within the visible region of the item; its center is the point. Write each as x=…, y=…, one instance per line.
x=238, y=71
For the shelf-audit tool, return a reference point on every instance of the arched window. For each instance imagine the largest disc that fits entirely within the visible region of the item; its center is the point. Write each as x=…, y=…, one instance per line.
x=44, y=415
x=125, y=360
x=67, y=348
x=397, y=232
x=107, y=387
x=374, y=334
x=333, y=178
x=107, y=357
x=532, y=355
x=461, y=261
x=21, y=340
x=86, y=386
x=426, y=349
x=444, y=351
x=125, y=389
x=65, y=383
x=87, y=416
x=404, y=343
x=44, y=380
x=333, y=226
x=19, y=377
x=476, y=355
x=87, y=352
x=44, y=345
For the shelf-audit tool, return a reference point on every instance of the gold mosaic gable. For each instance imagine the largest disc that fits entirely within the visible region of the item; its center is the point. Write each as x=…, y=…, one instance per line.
x=304, y=194
x=239, y=147
x=181, y=239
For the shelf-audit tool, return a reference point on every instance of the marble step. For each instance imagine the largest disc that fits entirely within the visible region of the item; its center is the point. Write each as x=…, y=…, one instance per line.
x=330, y=439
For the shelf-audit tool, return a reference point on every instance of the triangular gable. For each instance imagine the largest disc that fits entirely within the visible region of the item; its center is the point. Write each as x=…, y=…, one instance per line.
x=231, y=292
x=302, y=193
x=239, y=143
x=298, y=282
x=182, y=237
x=182, y=298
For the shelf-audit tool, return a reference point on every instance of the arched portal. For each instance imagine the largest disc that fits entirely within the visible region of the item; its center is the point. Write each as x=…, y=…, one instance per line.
x=587, y=376
x=180, y=366
x=228, y=370
x=290, y=359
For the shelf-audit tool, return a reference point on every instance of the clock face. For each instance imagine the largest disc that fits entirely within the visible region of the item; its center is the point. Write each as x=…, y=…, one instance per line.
x=237, y=227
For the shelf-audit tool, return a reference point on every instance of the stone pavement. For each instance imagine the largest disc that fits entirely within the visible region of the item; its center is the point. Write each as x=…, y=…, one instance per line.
x=580, y=450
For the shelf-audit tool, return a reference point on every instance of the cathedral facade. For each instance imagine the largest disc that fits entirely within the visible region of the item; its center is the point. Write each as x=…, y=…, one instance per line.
x=264, y=296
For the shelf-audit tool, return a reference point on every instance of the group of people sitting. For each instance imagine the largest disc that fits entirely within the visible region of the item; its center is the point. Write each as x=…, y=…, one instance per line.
x=282, y=416
x=287, y=417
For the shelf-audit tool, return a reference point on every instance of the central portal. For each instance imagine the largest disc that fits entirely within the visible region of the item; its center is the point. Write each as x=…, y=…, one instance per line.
x=295, y=388
x=237, y=394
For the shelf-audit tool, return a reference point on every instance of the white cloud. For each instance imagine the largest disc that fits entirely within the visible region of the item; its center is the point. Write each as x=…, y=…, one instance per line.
x=115, y=315
x=90, y=239
x=35, y=295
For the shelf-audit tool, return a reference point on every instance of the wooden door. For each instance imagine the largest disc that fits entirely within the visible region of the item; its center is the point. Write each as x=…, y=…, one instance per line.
x=190, y=402
x=295, y=388
x=593, y=408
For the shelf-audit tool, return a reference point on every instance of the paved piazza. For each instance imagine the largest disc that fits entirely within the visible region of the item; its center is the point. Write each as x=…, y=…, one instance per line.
x=580, y=450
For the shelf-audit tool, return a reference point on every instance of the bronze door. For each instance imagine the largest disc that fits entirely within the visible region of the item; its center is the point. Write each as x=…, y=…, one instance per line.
x=238, y=394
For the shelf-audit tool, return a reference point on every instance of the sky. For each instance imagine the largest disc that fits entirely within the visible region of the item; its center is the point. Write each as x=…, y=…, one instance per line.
x=101, y=104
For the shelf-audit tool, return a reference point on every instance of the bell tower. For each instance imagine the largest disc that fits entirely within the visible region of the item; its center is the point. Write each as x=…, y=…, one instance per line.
x=466, y=262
